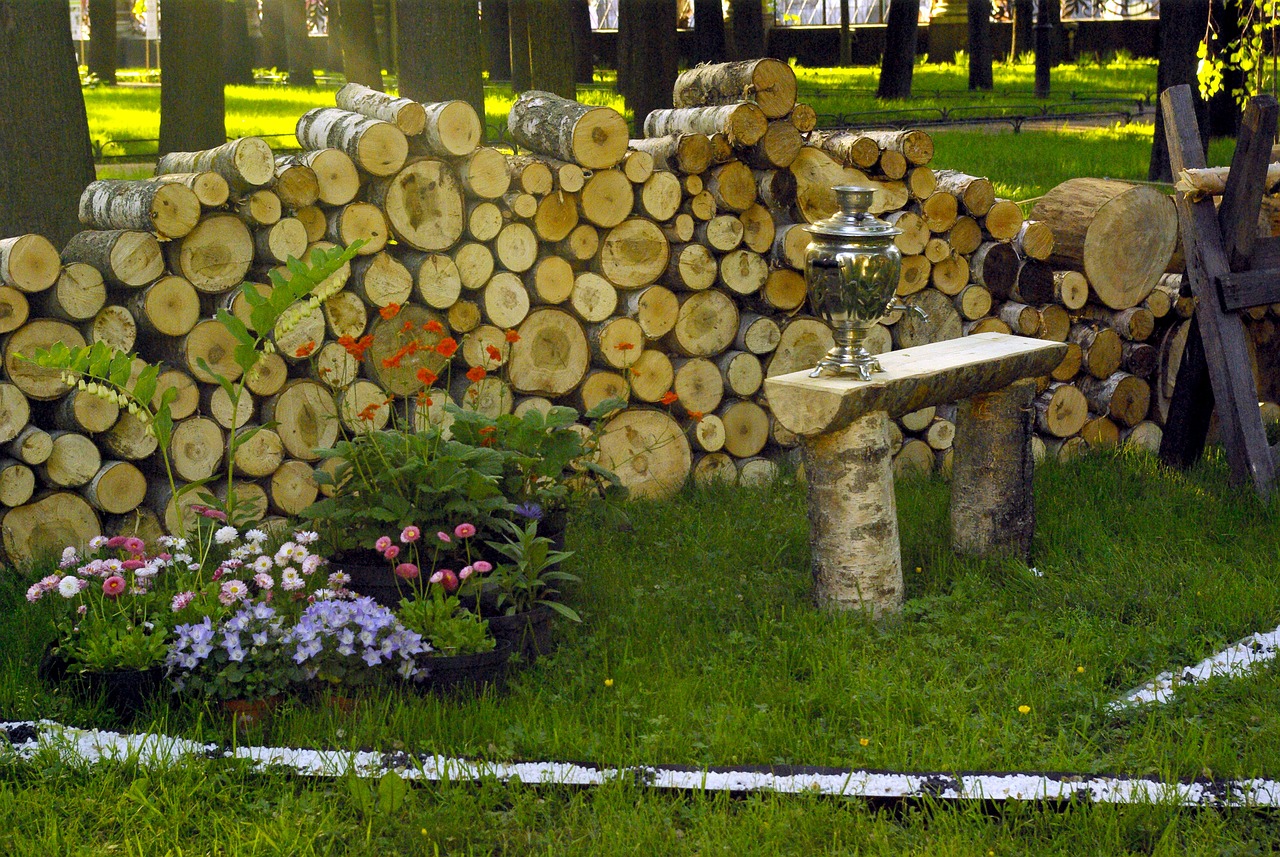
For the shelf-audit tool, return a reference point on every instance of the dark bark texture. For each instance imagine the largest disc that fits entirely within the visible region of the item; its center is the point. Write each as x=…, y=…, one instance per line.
x=45, y=157
x=1182, y=24
x=358, y=34
x=647, y=56
x=746, y=21
x=274, y=53
x=551, y=50
x=494, y=14
x=899, y=49
x=1224, y=111
x=518, y=36
x=981, y=51
x=102, y=40
x=297, y=44
x=237, y=50
x=708, y=31
x=584, y=56
x=192, y=106
x=435, y=66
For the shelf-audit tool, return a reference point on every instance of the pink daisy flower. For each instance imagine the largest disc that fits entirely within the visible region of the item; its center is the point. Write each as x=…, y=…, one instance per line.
x=464, y=531
x=113, y=586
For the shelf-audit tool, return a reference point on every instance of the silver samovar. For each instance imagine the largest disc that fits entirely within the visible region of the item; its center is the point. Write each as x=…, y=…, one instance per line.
x=851, y=267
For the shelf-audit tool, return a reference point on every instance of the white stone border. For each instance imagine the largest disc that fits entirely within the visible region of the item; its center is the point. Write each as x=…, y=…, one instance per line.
x=1236, y=660
x=90, y=746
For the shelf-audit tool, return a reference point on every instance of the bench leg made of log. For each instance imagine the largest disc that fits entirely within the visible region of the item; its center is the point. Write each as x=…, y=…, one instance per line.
x=992, y=508
x=853, y=518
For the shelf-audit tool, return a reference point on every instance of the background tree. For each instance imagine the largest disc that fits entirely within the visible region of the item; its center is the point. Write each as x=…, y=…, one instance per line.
x=237, y=49
x=440, y=51
x=648, y=59
x=192, y=105
x=746, y=28
x=274, y=52
x=518, y=35
x=358, y=34
x=45, y=156
x=583, y=41
x=1182, y=26
x=495, y=17
x=899, y=49
x=102, y=40
x=1023, y=20
x=551, y=48
x=298, y=44
x=708, y=31
x=981, y=50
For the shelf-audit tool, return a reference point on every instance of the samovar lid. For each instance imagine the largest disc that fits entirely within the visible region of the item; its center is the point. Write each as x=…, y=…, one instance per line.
x=853, y=220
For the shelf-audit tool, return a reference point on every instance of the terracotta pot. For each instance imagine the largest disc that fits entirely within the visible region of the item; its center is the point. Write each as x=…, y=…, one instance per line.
x=464, y=673
x=251, y=712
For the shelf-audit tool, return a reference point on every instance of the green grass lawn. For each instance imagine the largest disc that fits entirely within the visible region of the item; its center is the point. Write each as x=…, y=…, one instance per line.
x=700, y=647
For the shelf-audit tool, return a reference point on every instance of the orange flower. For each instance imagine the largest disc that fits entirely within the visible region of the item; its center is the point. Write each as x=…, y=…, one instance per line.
x=393, y=362
x=696, y=416
x=390, y=311
x=486, y=435
x=305, y=349
x=370, y=412
x=512, y=336
x=427, y=377
x=625, y=346
x=424, y=401
x=494, y=354
x=433, y=326
x=476, y=373
x=447, y=347
x=669, y=397
x=356, y=347
x=408, y=326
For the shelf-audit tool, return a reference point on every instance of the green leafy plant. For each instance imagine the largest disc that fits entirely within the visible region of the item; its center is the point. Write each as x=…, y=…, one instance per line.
x=529, y=579
x=391, y=479
x=446, y=624
x=1247, y=53
x=546, y=455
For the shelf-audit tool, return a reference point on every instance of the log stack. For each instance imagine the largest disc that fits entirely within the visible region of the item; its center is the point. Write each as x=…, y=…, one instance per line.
x=666, y=271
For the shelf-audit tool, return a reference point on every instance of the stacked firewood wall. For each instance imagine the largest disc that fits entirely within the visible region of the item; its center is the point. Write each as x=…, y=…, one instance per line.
x=667, y=271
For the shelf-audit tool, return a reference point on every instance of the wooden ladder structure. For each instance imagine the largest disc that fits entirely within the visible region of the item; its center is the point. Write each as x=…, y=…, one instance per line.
x=1229, y=269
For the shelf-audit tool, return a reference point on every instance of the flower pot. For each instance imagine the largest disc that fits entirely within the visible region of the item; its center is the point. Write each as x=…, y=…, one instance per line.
x=529, y=633
x=125, y=691
x=371, y=575
x=244, y=713
x=464, y=673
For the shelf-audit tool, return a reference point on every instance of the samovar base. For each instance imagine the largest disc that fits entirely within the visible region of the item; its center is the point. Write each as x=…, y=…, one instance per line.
x=844, y=361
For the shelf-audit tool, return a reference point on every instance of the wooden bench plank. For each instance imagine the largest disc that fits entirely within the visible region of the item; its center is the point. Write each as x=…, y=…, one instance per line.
x=913, y=378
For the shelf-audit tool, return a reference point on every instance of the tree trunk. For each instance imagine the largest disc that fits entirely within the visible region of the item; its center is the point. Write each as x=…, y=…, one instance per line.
x=274, y=52
x=1224, y=111
x=102, y=40
x=497, y=32
x=1182, y=24
x=647, y=56
x=899, y=49
x=708, y=31
x=297, y=44
x=1023, y=21
x=237, y=49
x=45, y=158
x=440, y=69
x=584, y=57
x=981, y=52
x=192, y=107
x=746, y=25
x=551, y=56
x=359, y=37
x=518, y=34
